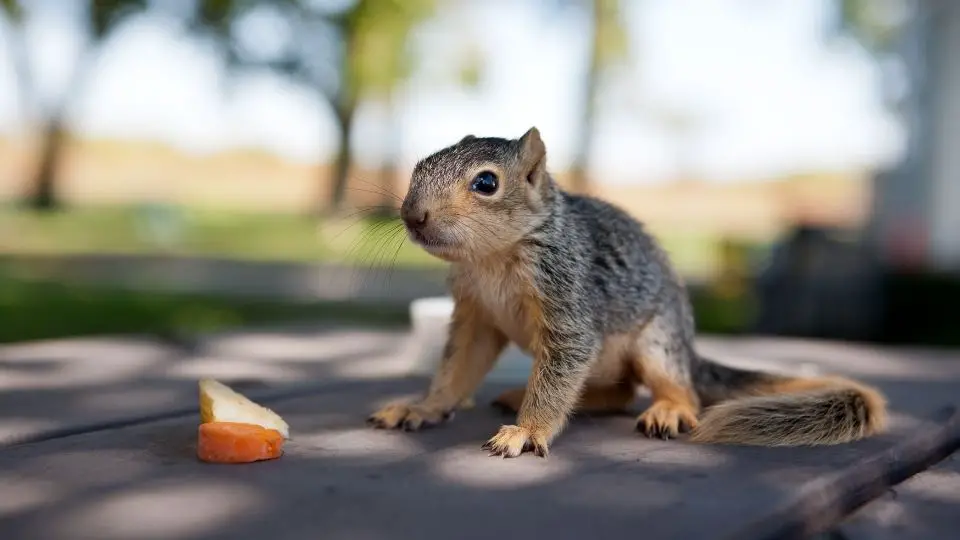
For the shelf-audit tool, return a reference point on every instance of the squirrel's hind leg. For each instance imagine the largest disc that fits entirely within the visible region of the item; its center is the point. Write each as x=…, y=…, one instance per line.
x=662, y=363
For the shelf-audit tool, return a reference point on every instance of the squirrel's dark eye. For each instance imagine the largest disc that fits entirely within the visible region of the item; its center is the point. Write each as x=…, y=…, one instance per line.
x=484, y=183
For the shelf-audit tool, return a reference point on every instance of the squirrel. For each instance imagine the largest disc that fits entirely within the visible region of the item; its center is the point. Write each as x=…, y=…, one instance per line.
x=579, y=284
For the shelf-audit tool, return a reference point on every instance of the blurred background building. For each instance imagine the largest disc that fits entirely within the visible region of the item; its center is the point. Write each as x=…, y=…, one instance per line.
x=174, y=165
x=916, y=216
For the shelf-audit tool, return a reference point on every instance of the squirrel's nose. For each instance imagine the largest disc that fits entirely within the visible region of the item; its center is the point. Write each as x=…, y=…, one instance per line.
x=415, y=219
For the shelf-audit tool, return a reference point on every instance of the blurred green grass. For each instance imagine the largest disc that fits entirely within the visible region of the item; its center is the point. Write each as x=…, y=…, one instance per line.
x=185, y=231
x=33, y=310
x=359, y=239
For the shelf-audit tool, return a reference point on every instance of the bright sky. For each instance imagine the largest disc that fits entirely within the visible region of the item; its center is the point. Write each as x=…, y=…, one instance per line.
x=773, y=98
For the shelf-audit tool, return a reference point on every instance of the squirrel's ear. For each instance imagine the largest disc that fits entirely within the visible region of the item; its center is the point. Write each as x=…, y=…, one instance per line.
x=531, y=137
x=532, y=154
x=467, y=138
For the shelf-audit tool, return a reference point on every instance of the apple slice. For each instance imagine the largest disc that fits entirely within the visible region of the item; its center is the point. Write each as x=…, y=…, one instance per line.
x=220, y=403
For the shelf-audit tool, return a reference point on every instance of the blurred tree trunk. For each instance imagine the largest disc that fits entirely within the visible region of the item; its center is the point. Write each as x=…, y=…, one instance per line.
x=344, y=104
x=17, y=53
x=579, y=181
x=389, y=167
x=388, y=178
x=102, y=17
x=605, y=34
x=42, y=194
x=372, y=58
x=341, y=165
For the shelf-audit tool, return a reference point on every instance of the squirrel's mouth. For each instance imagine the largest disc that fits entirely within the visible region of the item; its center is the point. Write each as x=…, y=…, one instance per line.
x=431, y=243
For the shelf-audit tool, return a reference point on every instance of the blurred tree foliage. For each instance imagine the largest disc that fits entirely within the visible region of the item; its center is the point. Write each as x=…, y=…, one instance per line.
x=13, y=13
x=12, y=10
x=102, y=17
x=877, y=26
x=349, y=51
x=608, y=46
x=873, y=23
x=356, y=50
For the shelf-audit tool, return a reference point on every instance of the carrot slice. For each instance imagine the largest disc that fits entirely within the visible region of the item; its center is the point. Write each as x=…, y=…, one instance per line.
x=235, y=442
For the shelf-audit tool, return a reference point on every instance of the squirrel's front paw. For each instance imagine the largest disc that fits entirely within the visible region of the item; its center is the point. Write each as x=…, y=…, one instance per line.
x=408, y=416
x=511, y=441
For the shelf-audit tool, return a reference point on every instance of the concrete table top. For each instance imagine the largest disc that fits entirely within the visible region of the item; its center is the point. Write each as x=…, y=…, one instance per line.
x=59, y=386
x=925, y=506
x=341, y=479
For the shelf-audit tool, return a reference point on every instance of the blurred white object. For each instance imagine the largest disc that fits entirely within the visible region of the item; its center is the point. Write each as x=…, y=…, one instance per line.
x=430, y=318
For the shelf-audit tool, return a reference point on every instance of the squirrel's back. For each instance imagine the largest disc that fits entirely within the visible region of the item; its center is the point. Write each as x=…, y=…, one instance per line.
x=624, y=273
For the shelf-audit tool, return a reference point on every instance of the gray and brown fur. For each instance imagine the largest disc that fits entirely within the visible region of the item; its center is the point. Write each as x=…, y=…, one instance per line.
x=591, y=296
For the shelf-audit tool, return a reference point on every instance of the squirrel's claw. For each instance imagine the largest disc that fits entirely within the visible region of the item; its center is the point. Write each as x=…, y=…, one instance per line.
x=407, y=417
x=652, y=430
x=666, y=420
x=511, y=441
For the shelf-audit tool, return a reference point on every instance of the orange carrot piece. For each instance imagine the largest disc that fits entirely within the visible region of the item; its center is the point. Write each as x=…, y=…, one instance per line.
x=235, y=442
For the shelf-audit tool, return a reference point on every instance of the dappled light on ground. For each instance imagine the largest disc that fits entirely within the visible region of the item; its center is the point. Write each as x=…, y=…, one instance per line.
x=599, y=466
x=178, y=510
x=917, y=508
x=233, y=368
x=136, y=398
x=941, y=485
x=88, y=466
x=12, y=427
x=18, y=494
x=843, y=357
x=471, y=467
x=685, y=455
x=629, y=492
x=76, y=362
x=299, y=346
x=55, y=384
x=358, y=443
x=271, y=355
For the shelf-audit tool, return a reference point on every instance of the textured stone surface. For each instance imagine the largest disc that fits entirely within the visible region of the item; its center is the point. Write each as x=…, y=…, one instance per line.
x=48, y=387
x=340, y=479
x=926, y=506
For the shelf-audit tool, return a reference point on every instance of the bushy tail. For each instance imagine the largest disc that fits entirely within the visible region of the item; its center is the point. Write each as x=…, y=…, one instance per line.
x=762, y=409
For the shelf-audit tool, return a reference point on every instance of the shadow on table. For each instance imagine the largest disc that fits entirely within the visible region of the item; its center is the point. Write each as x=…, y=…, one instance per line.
x=63, y=386
x=341, y=479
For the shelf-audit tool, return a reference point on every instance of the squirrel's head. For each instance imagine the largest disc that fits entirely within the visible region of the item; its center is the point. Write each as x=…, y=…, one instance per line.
x=478, y=197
